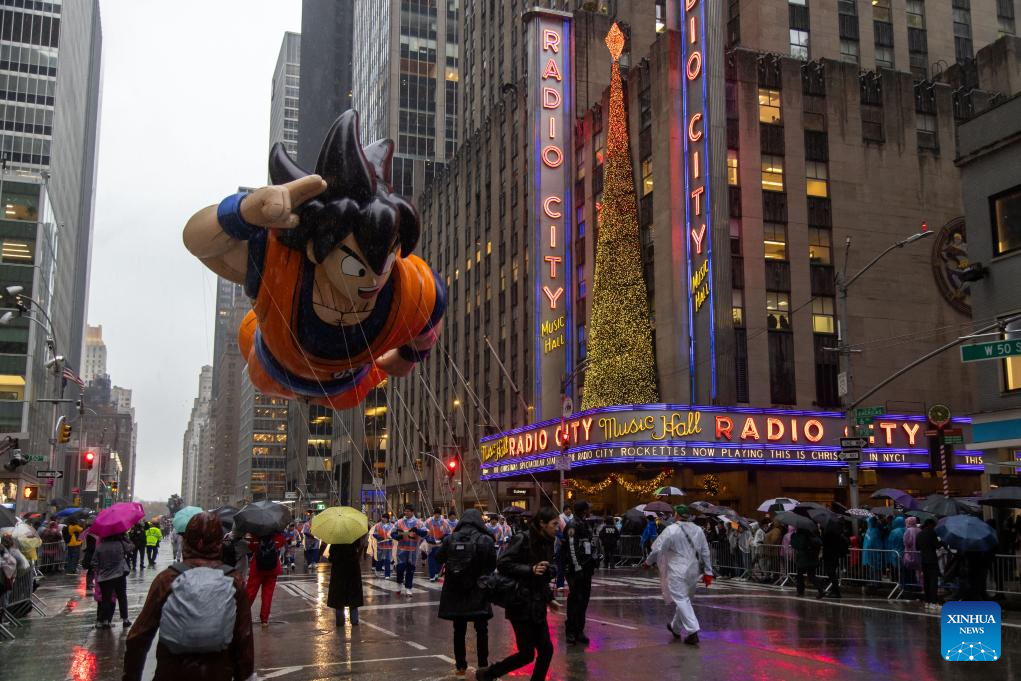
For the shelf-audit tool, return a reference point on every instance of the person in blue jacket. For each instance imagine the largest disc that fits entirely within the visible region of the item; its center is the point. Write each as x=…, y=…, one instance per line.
x=895, y=542
x=649, y=534
x=872, y=558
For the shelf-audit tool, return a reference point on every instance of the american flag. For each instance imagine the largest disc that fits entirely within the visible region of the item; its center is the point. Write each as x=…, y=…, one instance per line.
x=70, y=375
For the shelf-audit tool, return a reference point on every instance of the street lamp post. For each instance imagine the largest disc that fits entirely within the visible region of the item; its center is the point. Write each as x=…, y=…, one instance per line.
x=843, y=283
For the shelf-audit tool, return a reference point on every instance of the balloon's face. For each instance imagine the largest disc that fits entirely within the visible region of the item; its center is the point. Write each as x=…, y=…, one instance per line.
x=348, y=270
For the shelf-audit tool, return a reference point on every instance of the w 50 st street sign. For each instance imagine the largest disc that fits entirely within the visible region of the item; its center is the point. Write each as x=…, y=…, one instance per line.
x=980, y=352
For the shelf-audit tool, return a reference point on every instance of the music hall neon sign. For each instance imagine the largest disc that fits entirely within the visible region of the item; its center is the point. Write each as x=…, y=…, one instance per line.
x=698, y=224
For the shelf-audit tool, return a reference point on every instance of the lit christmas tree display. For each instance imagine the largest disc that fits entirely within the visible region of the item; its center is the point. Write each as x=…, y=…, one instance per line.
x=622, y=366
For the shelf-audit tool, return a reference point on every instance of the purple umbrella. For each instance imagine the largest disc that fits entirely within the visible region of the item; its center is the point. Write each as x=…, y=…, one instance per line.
x=898, y=497
x=117, y=519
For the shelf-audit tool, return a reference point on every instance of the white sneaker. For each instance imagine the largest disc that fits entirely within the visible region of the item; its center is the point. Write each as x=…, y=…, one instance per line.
x=407, y=592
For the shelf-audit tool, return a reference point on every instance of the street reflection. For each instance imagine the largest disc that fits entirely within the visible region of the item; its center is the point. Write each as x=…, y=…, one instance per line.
x=83, y=665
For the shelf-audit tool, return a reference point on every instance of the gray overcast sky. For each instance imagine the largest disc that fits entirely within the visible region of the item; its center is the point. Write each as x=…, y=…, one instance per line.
x=185, y=121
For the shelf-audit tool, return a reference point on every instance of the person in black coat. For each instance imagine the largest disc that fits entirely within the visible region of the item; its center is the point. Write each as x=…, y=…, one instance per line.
x=835, y=545
x=346, y=579
x=528, y=560
x=468, y=553
x=608, y=536
x=927, y=543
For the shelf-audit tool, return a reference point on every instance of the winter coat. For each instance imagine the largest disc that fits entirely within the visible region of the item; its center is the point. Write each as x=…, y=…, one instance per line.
x=912, y=558
x=649, y=533
x=346, y=574
x=834, y=543
x=153, y=536
x=533, y=593
x=608, y=536
x=109, y=558
x=895, y=542
x=927, y=542
x=137, y=537
x=873, y=544
x=774, y=535
x=462, y=599
x=806, y=545
x=681, y=553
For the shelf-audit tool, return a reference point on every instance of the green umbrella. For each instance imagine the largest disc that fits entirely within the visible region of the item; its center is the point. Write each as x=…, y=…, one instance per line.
x=182, y=517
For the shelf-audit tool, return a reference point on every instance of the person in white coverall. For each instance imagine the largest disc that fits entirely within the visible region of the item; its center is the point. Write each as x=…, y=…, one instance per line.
x=682, y=554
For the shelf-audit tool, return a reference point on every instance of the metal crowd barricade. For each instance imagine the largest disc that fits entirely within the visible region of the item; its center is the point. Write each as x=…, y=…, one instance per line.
x=771, y=564
x=1004, y=574
x=872, y=567
x=52, y=556
x=18, y=602
x=629, y=551
x=728, y=562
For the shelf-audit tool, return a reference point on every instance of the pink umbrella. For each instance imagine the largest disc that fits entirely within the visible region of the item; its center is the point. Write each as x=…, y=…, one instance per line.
x=117, y=519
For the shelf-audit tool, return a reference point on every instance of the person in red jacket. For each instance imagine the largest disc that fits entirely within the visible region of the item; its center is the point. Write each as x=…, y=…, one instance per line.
x=263, y=571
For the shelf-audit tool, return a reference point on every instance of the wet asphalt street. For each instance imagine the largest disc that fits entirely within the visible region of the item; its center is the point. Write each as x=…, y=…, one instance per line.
x=748, y=632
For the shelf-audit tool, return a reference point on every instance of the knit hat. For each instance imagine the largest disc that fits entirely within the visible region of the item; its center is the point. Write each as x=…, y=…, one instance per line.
x=681, y=510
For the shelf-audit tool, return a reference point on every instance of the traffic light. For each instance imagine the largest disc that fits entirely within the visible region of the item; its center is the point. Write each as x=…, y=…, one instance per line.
x=419, y=465
x=113, y=487
x=89, y=458
x=65, y=433
x=30, y=492
x=451, y=468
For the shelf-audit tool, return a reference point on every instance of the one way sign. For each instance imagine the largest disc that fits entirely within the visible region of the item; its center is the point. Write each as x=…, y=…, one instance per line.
x=43, y=475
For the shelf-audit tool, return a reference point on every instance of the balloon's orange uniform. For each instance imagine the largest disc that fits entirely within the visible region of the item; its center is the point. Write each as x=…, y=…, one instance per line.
x=271, y=335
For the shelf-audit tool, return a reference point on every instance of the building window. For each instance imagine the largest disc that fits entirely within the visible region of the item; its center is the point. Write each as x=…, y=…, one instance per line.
x=769, y=106
x=822, y=315
x=732, y=167
x=820, y=246
x=799, y=44
x=735, y=236
x=737, y=307
x=850, y=51
x=1006, y=218
x=772, y=173
x=817, y=181
x=774, y=239
x=962, y=30
x=17, y=252
x=1012, y=365
x=927, y=132
x=1005, y=17
x=647, y=176
x=881, y=11
x=916, y=13
x=884, y=56
x=778, y=310
x=599, y=147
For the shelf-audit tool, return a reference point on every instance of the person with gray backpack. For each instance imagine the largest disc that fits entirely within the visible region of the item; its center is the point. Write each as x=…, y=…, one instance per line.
x=202, y=613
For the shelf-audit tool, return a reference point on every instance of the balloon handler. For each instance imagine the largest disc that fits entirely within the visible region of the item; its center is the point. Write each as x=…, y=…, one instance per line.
x=339, y=301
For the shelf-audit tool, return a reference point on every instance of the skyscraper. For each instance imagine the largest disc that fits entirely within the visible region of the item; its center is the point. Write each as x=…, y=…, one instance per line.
x=225, y=413
x=196, y=467
x=283, y=112
x=326, y=47
x=50, y=74
x=406, y=75
x=95, y=354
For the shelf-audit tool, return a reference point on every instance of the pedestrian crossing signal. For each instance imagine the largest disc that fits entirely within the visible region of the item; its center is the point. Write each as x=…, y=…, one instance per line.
x=31, y=492
x=451, y=468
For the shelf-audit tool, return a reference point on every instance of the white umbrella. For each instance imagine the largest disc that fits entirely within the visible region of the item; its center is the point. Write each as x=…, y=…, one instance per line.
x=668, y=492
x=787, y=503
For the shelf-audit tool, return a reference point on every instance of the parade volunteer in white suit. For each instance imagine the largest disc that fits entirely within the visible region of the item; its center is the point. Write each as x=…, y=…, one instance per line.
x=682, y=554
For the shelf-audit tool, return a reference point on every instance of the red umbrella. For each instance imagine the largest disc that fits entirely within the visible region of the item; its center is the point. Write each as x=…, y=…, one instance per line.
x=117, y=519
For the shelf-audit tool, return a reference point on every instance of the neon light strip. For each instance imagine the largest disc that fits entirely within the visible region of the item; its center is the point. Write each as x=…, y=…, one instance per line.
x=687, y=207
x=537, y=236
x=708, y=200
x=569, y=216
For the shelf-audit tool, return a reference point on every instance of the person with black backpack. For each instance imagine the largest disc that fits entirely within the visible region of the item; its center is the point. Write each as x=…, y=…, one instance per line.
x=214, y=641
x=263, y=571
x=467, y=554
x=528, y=561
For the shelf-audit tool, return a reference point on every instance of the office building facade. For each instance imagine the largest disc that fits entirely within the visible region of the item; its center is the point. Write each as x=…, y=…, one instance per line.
x=196, y=466
x=283, y=112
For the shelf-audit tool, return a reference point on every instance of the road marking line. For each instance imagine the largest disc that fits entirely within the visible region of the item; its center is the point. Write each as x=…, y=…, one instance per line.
x=273, y=672
x=379, y=628
x=416, y=646
x=612, y=624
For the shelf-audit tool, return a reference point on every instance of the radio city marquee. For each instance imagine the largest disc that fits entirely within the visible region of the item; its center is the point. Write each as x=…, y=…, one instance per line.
x=551, y=115
x=720, y=435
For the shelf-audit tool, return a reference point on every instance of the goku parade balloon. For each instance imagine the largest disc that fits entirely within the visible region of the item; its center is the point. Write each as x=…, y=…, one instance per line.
x=339, y=302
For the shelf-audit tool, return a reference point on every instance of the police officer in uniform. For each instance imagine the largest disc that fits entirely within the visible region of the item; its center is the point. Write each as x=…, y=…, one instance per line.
x=581, y=561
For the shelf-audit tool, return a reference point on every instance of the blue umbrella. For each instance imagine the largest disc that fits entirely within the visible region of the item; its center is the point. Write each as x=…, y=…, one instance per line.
x=182, y=517
x=69, y=511
x=966, y=533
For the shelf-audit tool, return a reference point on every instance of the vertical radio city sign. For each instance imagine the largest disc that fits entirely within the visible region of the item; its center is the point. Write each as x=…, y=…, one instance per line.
x=551, y=116
x=698, y=214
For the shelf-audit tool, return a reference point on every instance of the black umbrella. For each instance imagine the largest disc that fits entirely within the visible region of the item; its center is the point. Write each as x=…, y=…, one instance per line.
x=815, y=512
x=944, y=506
x=888, y=511
x=512, y=510
x=897, y=496
x=706, y=508
x=632, y=522
x=60, y=503
x=226, y=515
x=659, y=507
x=262, y=518
x=7, y=517
x=1002, y=497
x=796, y=520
